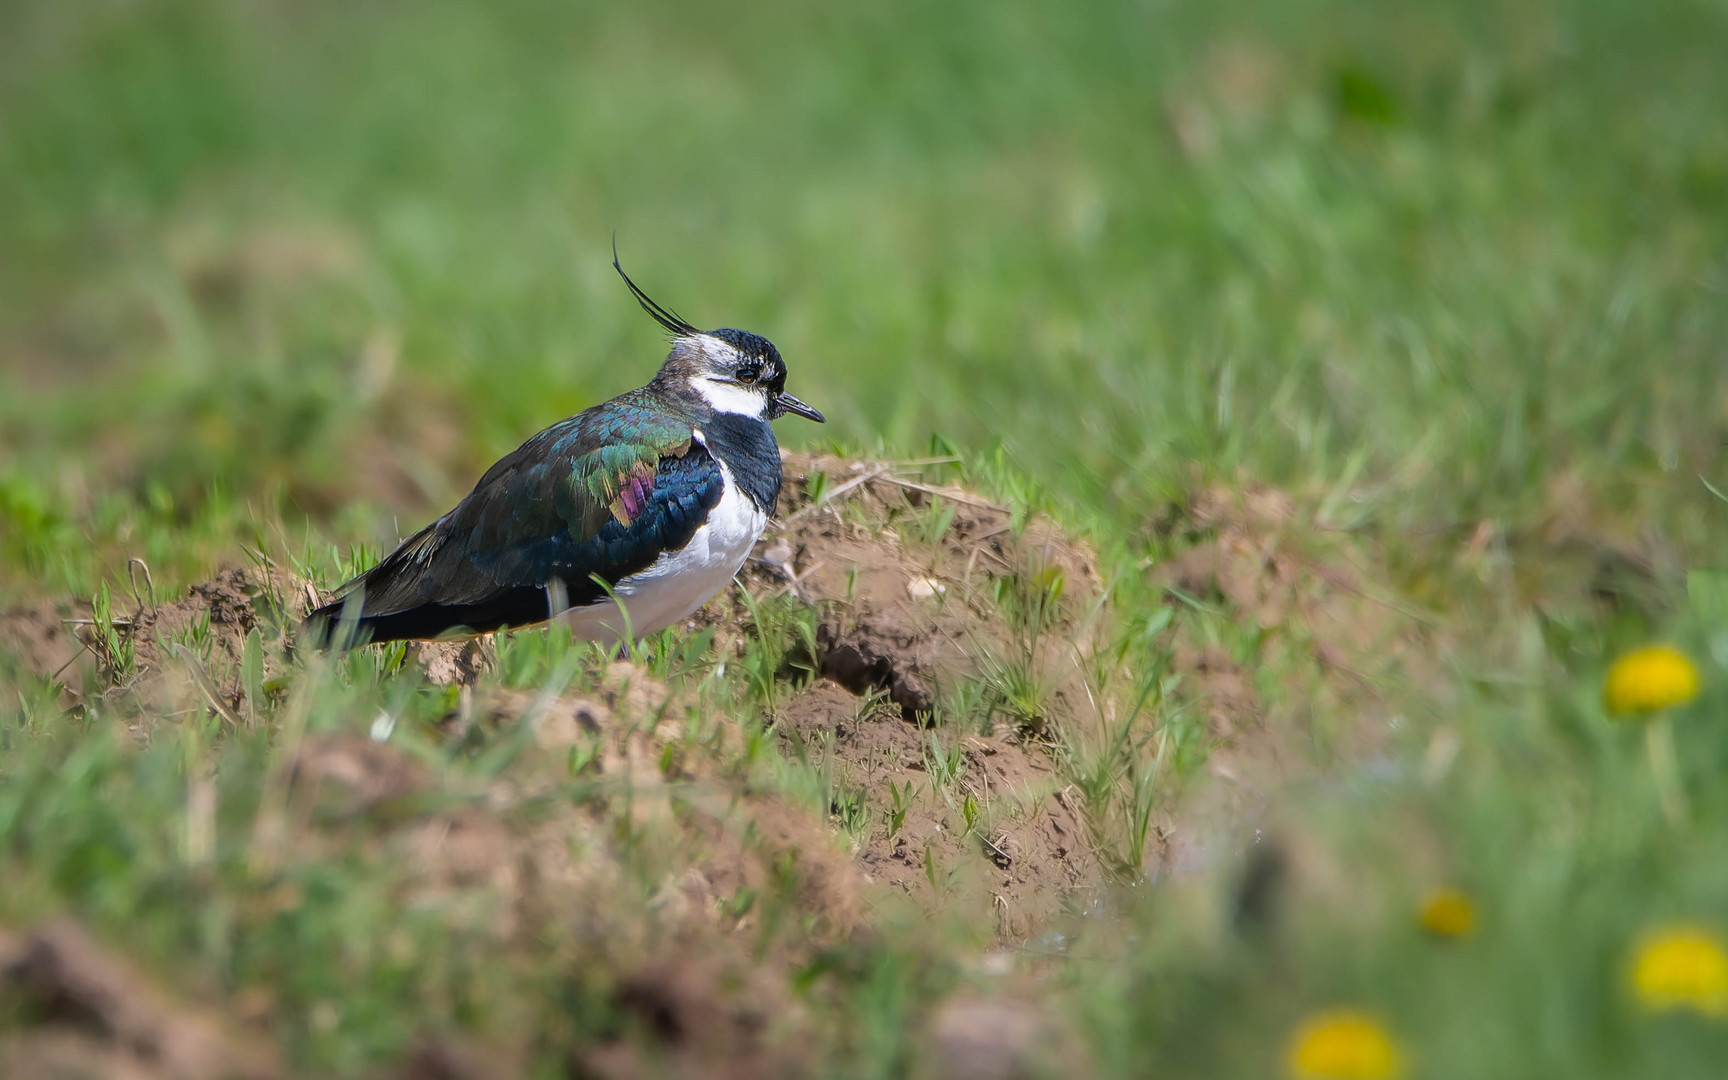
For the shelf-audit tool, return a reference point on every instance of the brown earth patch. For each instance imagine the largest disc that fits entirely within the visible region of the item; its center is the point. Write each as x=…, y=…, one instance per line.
x=190, y=649
x=1018, y=862
x=909, y=581
x=923, y=591
x=1221, y=688
x=909, y=577
x=691, y=1018
x=343, y=776
x=41, y=641
x=537, y=850
x=455, y=663
x=86, y=1013
x=746, y=839
x=199, y=637
x=528, y=858
x=230, y=605
x=634, y=727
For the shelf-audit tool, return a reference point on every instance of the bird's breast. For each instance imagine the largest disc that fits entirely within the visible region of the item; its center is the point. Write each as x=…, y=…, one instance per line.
x=678, y=582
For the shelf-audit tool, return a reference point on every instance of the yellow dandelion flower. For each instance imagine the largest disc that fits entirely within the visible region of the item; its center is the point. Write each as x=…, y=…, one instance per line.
x=1649, y=679
x=1682, y=967
x=1447, y=913
x=1343, y=1044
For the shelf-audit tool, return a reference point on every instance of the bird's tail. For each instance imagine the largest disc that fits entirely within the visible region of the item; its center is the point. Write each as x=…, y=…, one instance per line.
x=338, y=625
x=366, y=609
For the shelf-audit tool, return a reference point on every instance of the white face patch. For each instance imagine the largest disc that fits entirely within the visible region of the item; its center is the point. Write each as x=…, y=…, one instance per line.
x=729, y=397
x=718, y=390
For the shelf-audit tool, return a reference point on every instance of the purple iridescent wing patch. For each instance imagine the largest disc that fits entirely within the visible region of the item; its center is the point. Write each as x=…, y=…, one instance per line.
x=634, y=485
x=633, y=492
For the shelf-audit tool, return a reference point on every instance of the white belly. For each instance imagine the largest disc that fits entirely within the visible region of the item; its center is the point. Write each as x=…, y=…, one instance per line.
x=680, y=581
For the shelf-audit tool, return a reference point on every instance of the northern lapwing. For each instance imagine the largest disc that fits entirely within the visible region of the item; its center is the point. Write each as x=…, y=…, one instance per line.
x=622, y=519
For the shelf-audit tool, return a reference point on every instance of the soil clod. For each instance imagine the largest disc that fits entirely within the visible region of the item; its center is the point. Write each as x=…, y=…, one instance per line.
x=89, y=1014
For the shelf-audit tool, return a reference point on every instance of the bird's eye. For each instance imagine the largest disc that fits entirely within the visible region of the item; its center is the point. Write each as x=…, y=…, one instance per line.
x=749, y=372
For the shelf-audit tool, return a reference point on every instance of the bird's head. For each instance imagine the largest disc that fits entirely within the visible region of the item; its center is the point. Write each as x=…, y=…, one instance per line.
x=734, y=371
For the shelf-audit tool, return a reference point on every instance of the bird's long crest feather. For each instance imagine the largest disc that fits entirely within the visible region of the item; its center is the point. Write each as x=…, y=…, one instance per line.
x=662, y=315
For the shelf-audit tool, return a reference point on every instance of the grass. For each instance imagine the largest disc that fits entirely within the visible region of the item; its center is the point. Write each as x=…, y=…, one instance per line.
x=284, y=279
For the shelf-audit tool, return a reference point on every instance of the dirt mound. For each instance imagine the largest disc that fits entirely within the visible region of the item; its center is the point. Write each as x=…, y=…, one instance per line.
x=631, y=730
x=1313, y=592
x=532, y=859
x=89, y=1014
x=211, y=623
x=982, y=822
x=1286, y=573
x=691, y=1018
x=201, y=636
x=42, y=641
x=930, y=602
x=160, y=653
x=920, y=588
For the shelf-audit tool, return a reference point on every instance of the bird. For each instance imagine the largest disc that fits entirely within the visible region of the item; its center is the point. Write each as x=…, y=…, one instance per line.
x=621, y=520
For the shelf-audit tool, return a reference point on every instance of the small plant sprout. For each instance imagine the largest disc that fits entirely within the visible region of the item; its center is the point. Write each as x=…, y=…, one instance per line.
x=852, y=809
x=1142, y=778
x=738, y=905
x=113, y=639
x=901, y=796
x=781, y=647
x=929, y=529
x=941, y=879
x=970, y=811
x=1017, y=687
x=944, y=765
x=816, y=487
x=1117, y=778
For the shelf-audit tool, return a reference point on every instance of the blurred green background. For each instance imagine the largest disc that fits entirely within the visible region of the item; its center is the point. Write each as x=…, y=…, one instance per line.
x=1445, y=258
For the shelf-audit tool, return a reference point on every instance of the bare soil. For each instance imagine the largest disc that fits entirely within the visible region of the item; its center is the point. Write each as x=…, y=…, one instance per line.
x=905, y=574
x=907, y=578
x=42, y=641
x=95, y=1016
x=1020, y=864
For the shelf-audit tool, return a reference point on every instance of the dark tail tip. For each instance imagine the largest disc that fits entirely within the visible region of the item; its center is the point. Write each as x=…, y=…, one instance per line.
x=316, y=630
x=335, y=627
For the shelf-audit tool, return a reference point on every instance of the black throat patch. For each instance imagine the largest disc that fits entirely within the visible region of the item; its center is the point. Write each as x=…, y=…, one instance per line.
x=746, y=446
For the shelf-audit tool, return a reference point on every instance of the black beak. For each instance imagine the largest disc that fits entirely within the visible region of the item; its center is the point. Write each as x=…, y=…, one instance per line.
x=785, y=403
